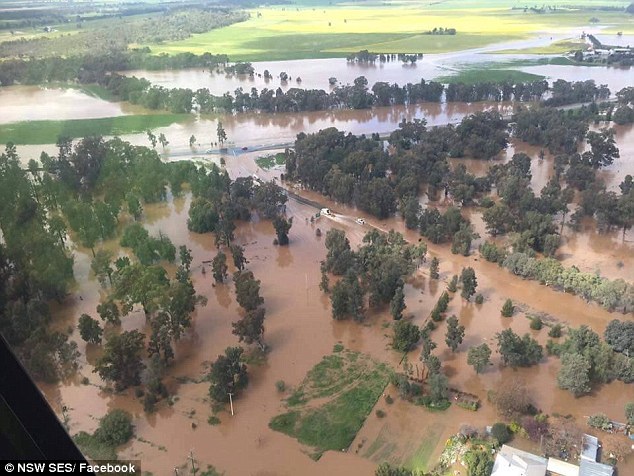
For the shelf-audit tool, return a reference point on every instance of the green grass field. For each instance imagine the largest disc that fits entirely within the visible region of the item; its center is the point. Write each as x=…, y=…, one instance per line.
x=312, y=31
x=350, y=383
x=474, y=76
x=271, y=161
x=558, y=47
x=47, y=132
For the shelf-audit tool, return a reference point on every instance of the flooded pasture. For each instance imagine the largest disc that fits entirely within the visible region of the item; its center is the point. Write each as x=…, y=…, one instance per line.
x=35, y=103
x=299, y=331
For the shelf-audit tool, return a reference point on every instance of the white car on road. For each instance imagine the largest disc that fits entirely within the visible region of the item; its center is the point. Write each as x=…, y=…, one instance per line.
x=360, y=221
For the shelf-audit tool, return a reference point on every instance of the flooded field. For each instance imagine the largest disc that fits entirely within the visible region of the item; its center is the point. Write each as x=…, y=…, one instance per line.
x=299, y=331
x=34, y=103
x=314, y=73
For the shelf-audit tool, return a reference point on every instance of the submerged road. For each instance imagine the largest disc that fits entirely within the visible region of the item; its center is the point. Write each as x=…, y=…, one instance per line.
x=186, y=153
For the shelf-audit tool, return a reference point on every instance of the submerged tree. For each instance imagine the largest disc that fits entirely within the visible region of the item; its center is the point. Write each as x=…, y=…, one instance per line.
x=219, y=267
x=250, y=328
x=397, y=304
x=455, y=333
x=479, y=357
x=121, y=361
x=89, y=329
x=282, y=227
x=228, y=375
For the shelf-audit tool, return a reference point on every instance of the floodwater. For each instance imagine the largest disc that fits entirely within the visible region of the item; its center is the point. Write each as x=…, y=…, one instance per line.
x=35, y=103
x=299, y=331
x=314, y=73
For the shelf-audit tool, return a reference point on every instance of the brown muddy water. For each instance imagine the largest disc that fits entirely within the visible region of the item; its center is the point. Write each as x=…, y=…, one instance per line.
x=314, y=73
x=299, y=331
x=35, y=103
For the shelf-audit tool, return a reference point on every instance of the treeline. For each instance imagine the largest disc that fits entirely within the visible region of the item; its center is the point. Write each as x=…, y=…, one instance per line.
x=624, y=112
x=564, y=92
x=85, y=194
x=93, y=68
x=378, y=268
x=611, y=294
x=117, y=34
x=353, y=169
x=364, y=56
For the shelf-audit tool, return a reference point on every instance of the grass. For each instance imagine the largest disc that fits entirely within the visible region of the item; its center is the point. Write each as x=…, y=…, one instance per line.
x=271, y=161
x=421, y=457
x=312, y=31
x=93, y=448
x=558, y=47
x=47, y=132
x=349, y=384
x=473, y=76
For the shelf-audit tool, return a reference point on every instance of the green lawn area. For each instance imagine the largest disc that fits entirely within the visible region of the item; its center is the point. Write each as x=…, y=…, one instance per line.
x=348, y=385
x=558, y=47
x=271, y=160
x=308, y=30
x=47, y=132
x=473, y=76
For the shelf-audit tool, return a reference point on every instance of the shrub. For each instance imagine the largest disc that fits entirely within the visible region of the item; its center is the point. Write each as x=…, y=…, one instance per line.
x=599, y=420
x=501, y=432
x=213, y=420
x=508, y=308
x=115, y=428
x=388, y=399
x=479, y=299
x=536, y=323
x=380, y=413
x=555, y=331
x=280, y=385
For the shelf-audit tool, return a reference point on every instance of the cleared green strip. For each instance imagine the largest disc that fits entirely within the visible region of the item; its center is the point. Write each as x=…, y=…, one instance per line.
x=489, y=76
x=47, y=132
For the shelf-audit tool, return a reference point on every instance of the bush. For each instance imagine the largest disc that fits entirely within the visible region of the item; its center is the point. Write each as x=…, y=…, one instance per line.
x=555, y=331
x=536, y=323
x=479, y=299
x=508, y=308
x=213, y=420
x=280, y=385
x=115, y=428
x=501, y=433
x=389, y=400
x=599, y=420
x=380, y=413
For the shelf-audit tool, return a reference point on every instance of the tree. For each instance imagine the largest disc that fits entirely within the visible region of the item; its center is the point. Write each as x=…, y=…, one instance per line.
x=134, y=205
x=479, y=463
x=397, y=304
x=163, y=140
x=438, y=386
x=479, y=357
x=152, y=138
x=498, y=219
x=115, y=428
x=89, y=329
x=512, y=398
x=518, y=351
x=237, y=253
x=347, y=298
x=433, y=268
x=101, y=266
x=250, y=328
x=109, y=312
x=219, y=267
x=406, y=335
x=185, y=256
x=508, y=308
x=221, y=133
x=500, y=431
x=340, y=257
x=574, y=374
x=386, y=469
x=603, y=149
x=282, y=227
x=192, y=140
x=453, y=284
x=140, y=284
x=455, y=333
x=121, y=361
x=247, y=290
x=228, y=375
x=469, y=283
x=629, y=413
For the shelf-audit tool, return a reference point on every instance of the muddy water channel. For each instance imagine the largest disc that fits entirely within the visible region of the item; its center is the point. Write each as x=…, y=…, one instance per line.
x=299, y=331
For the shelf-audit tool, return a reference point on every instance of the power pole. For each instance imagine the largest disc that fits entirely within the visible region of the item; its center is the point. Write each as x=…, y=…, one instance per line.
x=191, y=458
x=231, y=402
